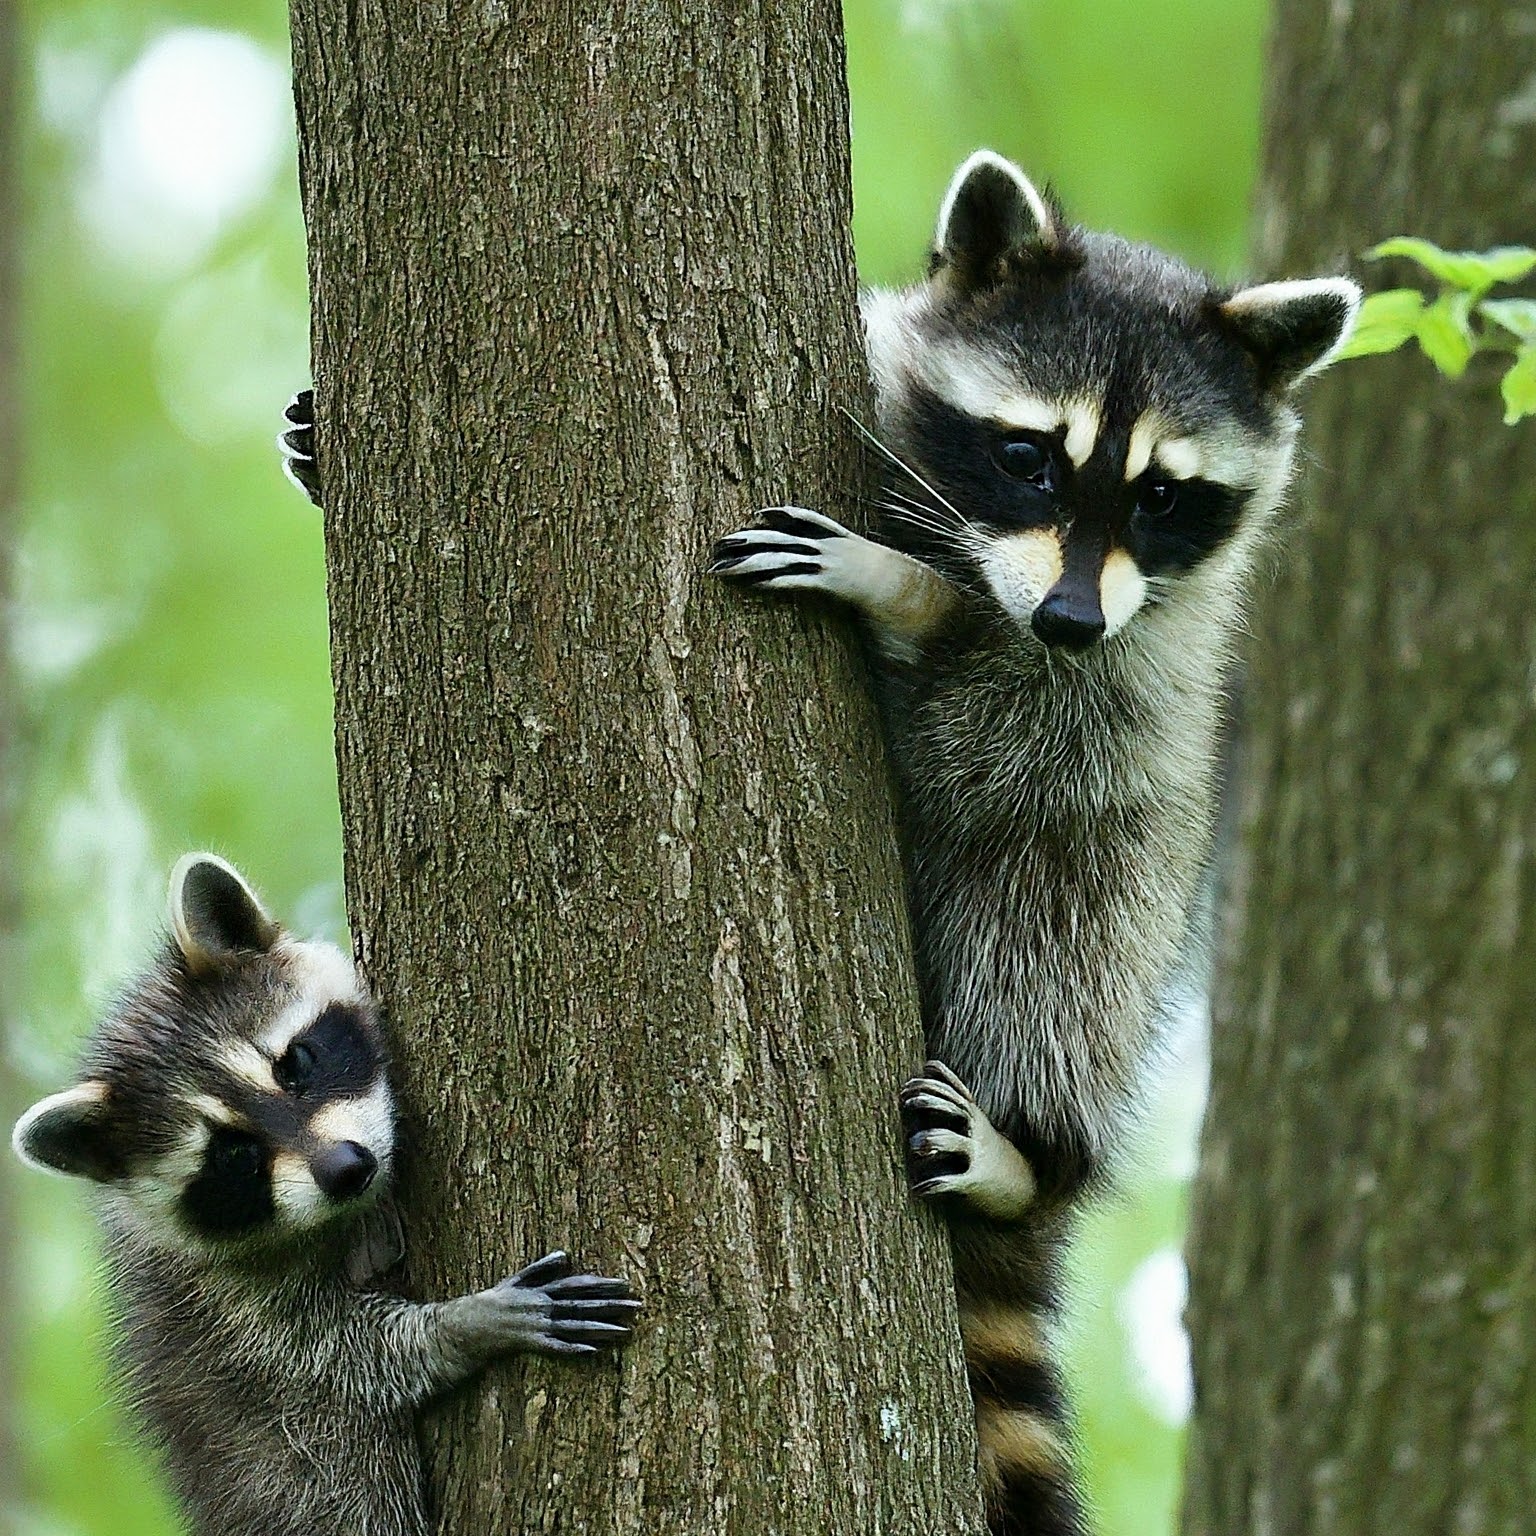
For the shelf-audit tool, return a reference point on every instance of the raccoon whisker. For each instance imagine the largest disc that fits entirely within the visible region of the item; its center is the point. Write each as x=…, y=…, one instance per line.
x=955, y=538
x=899, y=462
x=920, y=517
x=943, y=509
x=943, y=522
x=955, y=520
x=895, y=501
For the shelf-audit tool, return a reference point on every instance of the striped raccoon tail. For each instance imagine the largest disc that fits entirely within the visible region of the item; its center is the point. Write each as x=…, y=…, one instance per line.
x=1026, y=1452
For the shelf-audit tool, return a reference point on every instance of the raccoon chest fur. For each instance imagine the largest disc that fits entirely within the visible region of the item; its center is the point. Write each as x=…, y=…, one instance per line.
x=270, y=1404
x=1057, y=833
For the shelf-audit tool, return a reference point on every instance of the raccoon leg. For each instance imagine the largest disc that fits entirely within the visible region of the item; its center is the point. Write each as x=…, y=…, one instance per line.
x=296, y=443
x=1024, y=1439
x=800, y=550
x=544, y=1309
x=954, y=1151
x=1003, y=1264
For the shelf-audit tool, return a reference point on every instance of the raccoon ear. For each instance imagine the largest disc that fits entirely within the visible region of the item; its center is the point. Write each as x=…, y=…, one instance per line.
x=72, y=1132
x=991, y=211
x=1292, y=330
x=215, y=916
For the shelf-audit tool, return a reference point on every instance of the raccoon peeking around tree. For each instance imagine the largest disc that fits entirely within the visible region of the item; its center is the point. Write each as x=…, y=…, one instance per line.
x=234, y=1112
x=1086, y=441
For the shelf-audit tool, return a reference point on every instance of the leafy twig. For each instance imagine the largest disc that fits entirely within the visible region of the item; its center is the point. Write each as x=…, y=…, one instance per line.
x=1459, y=321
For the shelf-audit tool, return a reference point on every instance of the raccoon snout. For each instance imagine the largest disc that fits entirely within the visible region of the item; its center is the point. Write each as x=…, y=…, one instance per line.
x=344, y=1170
x=1065, y=619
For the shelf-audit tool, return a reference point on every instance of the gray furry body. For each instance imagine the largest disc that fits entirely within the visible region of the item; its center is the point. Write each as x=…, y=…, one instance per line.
x=1057, y=813
x=324, y=1433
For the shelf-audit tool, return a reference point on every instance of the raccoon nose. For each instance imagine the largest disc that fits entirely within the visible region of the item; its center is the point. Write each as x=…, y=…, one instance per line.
x=343, y=1171
x=1065, y=619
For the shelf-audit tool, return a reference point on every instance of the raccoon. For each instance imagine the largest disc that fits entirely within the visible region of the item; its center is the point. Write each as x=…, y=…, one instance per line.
x=1085, y=441
x=234, y=1112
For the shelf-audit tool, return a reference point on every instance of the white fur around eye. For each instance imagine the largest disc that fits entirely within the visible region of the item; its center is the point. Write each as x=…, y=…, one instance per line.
x=367, y=1120
x=1179, y=458
x=320, y=974
x=1083, y=420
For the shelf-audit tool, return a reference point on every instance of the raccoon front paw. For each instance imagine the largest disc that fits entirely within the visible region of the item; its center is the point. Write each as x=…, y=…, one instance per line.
x=550, y=1310
x=793, y=549
x=954, y=1151
x=296, y=444
x=796, y=549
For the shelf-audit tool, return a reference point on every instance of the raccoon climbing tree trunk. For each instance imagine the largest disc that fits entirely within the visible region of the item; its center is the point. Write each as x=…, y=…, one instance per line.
x=1364, y=1242
x=619, y=854
x=10, y=447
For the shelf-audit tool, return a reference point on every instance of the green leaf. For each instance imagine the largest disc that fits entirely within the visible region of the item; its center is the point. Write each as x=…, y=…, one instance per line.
x=1519, y=386
x=1445, y=335
x=1475, y=272
x=1385, y=322
x=1517, y=316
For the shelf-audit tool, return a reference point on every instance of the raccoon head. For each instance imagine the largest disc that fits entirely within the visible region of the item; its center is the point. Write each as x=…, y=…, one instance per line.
x=1087, y=423
x=238, y=1094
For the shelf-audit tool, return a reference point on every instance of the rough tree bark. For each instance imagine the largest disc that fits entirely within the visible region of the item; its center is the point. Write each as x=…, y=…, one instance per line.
x=619, y=859
x=1364, y=1244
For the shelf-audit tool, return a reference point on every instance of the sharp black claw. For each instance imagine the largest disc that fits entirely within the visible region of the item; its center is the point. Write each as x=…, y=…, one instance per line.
x=794, y=568
x=542, y=1272
x=301, y=409
x=596, y=1287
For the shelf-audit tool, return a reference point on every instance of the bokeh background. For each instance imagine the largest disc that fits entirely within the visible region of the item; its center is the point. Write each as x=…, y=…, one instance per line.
x=171, y=637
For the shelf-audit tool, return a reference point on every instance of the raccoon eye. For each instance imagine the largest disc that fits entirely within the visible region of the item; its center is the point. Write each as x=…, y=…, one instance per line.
x=1027, y=459
x=294, y=1069
x=1158, y=497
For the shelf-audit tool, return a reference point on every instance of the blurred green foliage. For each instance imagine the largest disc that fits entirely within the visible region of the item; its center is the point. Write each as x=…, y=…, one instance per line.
x=171, y=621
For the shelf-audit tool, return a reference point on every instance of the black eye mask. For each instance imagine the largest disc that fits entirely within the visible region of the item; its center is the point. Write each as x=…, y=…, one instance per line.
x=232, y=1192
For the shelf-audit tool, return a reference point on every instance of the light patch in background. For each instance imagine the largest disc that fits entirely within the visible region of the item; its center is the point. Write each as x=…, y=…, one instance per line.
x=101, y=852
x=188, y=138
x=1152, y=1314
x=228, y=351
x=49, y=642
x=321, y=913
x=69, y=80
x=1185, y=1087
x=938, y=16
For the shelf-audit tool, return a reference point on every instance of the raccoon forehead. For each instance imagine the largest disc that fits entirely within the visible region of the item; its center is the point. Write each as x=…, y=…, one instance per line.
x=1223, y=451
x=1187, y=439
x=315, y=976
x=312, y=966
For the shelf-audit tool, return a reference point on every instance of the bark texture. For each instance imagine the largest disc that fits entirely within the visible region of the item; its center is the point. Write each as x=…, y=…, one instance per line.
x=1364, y=1244
x=619, y=854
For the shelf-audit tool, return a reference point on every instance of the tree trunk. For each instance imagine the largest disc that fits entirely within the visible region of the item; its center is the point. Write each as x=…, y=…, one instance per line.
x=619, y=854
x=1364, y=1244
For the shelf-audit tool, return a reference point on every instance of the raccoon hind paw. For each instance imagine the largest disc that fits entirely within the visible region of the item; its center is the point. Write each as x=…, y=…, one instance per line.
x=954, y=1152
x=296, y=444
